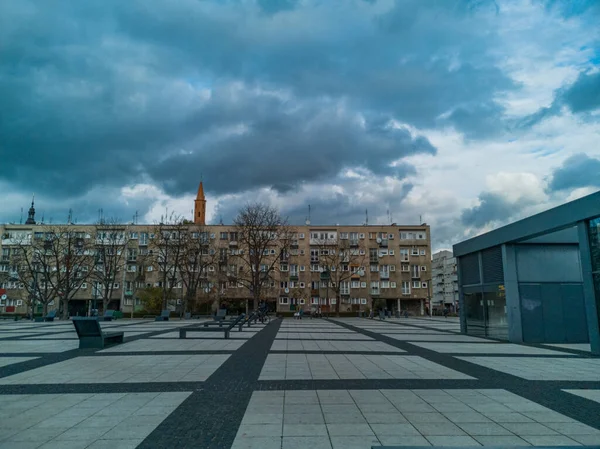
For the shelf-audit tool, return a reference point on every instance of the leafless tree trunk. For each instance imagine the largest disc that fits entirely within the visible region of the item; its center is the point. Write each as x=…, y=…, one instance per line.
x=168, y=246
x=264, y=236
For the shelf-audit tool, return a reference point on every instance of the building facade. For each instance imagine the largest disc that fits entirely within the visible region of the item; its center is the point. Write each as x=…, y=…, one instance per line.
x=444, y=281
x=109, y=265
x=536, y=280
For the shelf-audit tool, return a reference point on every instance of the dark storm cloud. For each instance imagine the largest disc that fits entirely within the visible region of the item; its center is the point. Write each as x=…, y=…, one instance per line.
x=492, y=208
x=343, y=208
x=105, y=93
x=581, y=97
x=577, y=171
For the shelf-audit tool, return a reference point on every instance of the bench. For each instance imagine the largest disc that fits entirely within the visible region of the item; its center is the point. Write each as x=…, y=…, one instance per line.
x=220, y=315
x=239, y=321
x=108, y=315
x=51, y=315
x=91, y=335
x=164, y=316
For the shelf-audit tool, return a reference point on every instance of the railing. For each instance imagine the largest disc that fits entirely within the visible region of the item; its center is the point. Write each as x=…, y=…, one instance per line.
x=375, y=291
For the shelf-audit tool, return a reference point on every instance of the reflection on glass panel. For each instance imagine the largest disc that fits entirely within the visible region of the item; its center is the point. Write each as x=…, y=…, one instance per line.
x=497, y=324
x=474, y=313
x=594, y=231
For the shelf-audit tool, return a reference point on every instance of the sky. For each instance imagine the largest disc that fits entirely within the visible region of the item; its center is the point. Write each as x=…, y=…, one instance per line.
x=464, y=114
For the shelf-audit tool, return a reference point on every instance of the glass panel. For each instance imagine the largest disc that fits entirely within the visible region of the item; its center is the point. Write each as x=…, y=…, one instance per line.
x=594, y=228
x=495, y=302
x=475, y=314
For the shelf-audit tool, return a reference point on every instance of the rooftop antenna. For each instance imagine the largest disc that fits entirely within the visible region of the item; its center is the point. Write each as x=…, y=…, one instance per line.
x=388, y=216
x=420, y=219
x=221, y=220
x=70, y=217
x=135, y=217
x=308, y=218
x=42, y=217
x=366, y=217
x=21, y=219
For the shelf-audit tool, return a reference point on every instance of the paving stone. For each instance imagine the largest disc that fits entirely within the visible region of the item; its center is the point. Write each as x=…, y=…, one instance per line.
x=452, y=440
x=306, y=442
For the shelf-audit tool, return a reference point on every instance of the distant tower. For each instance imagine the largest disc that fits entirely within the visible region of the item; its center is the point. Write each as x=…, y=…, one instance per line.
x=31, y=215
x=200, y=206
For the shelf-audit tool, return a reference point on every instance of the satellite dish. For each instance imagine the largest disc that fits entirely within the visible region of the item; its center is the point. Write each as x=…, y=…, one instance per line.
x=378, y=240
x=361, y=273
x=287, y=290
x=3, y=297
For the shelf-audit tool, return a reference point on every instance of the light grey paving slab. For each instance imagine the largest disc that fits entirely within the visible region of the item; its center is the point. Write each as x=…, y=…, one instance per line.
x=5, y=361
x=592, y=395
x=339, y=346
x=452, y=440
x=436, y=337
x=151, y=345
x=235, y=335
x=550, y=440
x=321, y=336
x=122, y=369
x=37, y=346
x=501, y=440
x=586, y=347
x=486, y=348
x=78, y=426
x=538, y=368
x=353, y=442
x=353, y=366
x=306, y=442
x=257, y=443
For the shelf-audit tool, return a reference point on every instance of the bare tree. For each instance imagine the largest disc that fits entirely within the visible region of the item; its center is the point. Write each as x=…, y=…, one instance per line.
x=52, y=263
x=264, y=237
x=110, y=246
x=341, y=261
x=167, y=244
x=197, y=255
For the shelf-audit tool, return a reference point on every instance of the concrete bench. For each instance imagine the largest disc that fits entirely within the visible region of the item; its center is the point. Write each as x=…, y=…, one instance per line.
x=239, y=321
x=164, y=316
x=91, y=335
x=51, y=315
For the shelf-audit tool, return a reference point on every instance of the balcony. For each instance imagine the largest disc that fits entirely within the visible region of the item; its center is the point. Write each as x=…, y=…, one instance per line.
x=384, y=274
x=293, y=276
x=383, y=243
x=353, y=242
x=233, y=243
x=416, y=276
x=294, y=244
x=345, y=292
x=375, y=292
x=373, y=260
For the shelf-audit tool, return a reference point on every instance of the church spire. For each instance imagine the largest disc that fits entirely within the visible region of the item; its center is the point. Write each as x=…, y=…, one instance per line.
x=200, y=206
x=31, y=214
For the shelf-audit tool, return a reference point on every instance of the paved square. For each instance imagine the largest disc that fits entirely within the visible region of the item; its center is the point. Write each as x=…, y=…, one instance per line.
x=83, y=420
x=547, y=368
x=130, y=369
x=340, y=383
x=353, y=366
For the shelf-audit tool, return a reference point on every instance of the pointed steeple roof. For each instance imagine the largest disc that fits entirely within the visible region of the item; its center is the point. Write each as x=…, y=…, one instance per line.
x=200, y=195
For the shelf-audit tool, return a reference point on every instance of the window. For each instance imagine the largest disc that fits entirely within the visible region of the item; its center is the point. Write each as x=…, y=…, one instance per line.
x=302, y=285
x=363, y=301
x=361, y=236
x=405, y=288
x=283, y=267
x=416, y=284
x=383, y=252
x=284, y=300
x=392, y=285
x=391, y=236
x=302, y=268
x=374, y=268
x=314, y=301
x=385, y=284
x=211, y=268
x=343, y=236
x=391, y=252
x=415, y=251
x=421, y=236
x=84, y=285
x=405, y=267
x=371, y=235
x=355, y=284
x=302, y=252
x=283, y=284
x=116, y=285
x=423, y=252
x=301, y=235
x=363, y=285
x=392, y=267
x=131, y=268
x=332, y=301
x=212, y=235
x=424, y=285
x=423, y=268
x=223, y=236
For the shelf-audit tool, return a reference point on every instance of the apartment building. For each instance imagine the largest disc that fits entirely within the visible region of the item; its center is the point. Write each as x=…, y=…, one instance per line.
x=445, y=281
x=355, y=265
